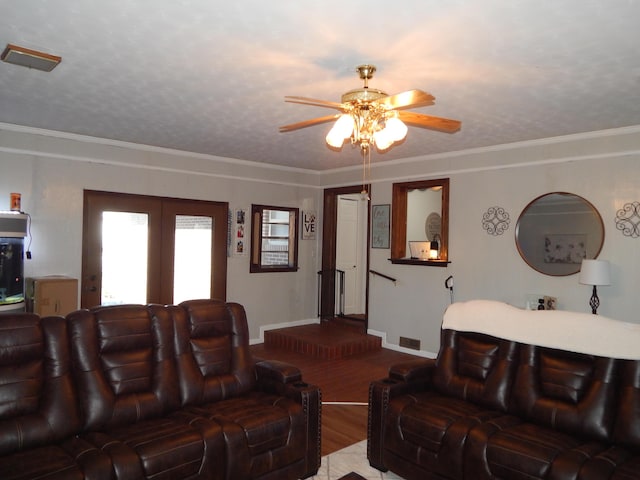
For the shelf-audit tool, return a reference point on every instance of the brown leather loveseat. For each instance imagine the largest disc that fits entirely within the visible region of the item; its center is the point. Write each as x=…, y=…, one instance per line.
x=150, y=392
x=513, y=394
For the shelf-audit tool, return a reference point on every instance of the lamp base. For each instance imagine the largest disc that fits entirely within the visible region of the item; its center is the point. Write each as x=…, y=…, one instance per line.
x=594, y=302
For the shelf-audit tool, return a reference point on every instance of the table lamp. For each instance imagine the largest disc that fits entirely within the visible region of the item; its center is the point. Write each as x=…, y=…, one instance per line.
x=595, y=272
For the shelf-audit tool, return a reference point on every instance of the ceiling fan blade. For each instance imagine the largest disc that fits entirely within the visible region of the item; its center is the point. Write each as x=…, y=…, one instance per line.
x=308, y=123
x=427, y=121
x=408, y=99
x=313, y=101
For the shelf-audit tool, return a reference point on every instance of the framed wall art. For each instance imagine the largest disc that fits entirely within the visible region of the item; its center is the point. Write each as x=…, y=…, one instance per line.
x=380, y=226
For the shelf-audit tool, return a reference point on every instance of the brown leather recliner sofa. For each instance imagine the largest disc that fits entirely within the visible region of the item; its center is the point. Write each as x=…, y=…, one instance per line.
x=150, y=392
x=513, y=394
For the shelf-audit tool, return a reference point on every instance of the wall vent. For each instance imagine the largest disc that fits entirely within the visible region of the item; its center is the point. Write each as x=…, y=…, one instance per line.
x=412, y=343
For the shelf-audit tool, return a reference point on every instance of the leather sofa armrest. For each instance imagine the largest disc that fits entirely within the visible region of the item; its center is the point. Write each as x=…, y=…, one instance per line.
x=283, y=379
x=404, y=378
x=276, y=371
x=414, y=370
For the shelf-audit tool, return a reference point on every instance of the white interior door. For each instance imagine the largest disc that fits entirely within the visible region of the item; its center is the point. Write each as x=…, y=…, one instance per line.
x=350, y=240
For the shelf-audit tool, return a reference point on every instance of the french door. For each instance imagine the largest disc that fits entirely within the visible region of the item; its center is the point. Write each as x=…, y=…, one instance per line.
x=144, y=249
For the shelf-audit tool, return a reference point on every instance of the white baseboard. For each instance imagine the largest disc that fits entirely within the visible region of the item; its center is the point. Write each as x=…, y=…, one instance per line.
x=275, y=326
x=398, y=348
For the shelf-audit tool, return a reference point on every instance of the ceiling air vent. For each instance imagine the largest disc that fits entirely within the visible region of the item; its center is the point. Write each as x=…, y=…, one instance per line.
x=30, y=58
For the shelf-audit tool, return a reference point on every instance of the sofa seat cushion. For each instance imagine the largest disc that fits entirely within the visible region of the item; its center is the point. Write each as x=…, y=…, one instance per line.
x=614, y=462
x=431, y=429
x=627, y=471
x=264, y=432
x=162, y=449
x=527, y=451
x=73, y=459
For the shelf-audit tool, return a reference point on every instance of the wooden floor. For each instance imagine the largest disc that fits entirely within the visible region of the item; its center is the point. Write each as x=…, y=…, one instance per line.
x=342, y=380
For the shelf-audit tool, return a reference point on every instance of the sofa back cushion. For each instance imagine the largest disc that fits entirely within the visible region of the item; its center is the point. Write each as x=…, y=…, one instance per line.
x=569, y=391
x=37, y=398
x=123, y=363
x=627, y=426
x=212, y=351
x=476, y=367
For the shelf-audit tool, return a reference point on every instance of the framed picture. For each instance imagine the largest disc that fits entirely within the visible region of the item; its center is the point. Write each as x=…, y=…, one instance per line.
x=239, y=241
x=380, y=226
x=309, y=219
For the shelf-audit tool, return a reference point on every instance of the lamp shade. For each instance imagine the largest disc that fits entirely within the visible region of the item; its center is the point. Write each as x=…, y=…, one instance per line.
x=340, y=131
x=383, y=139
x=397, y=129
x=595, y=272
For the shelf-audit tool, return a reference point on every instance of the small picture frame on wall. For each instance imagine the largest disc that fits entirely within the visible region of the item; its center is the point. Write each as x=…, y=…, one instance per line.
x=380, y=226
x=239, y=240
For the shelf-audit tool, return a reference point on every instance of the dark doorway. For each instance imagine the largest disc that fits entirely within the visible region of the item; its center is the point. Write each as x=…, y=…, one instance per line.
x=328, y=277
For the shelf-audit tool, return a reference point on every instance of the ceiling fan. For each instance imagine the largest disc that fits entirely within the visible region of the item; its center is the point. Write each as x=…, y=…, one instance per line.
x=370, y=117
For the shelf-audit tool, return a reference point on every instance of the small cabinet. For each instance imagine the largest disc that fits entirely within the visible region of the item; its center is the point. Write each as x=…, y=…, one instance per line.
x=52, y=295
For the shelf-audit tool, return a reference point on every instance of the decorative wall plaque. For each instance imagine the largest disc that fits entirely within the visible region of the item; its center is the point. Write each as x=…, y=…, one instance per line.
x=495, y=221
x=628, y=220
x=433, y=226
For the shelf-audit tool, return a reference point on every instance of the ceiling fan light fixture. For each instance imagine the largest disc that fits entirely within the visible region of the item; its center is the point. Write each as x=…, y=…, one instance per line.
x=363, y=95
x=396, y=128
x=371, y=118
x=334, y=140
x=383, y=139
x=341, y=130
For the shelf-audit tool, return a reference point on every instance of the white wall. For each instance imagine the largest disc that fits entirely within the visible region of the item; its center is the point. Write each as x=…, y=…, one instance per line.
x=51, y=174
x=603, y=167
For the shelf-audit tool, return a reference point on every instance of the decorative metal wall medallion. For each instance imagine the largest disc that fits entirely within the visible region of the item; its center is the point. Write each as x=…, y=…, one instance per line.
x=628, y=220
x=495, y=221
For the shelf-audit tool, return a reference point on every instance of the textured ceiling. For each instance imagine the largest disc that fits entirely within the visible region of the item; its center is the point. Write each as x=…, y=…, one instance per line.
x=209, y=77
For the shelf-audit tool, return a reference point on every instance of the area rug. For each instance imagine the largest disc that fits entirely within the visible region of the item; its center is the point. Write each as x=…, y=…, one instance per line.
x=351, y=459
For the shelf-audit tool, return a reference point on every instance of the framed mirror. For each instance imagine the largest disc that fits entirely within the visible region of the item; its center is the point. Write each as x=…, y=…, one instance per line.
x=556, y=231
x=420, y=213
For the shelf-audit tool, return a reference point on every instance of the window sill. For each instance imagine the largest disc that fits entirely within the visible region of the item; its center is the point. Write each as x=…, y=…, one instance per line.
x=415, y=261
x=258, y=269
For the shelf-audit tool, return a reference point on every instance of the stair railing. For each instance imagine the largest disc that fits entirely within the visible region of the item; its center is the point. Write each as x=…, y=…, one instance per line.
x=391, y=279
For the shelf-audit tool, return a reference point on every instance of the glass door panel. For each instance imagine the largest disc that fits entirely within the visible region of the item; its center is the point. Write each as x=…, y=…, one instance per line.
x=192, y=257
x=125, y=241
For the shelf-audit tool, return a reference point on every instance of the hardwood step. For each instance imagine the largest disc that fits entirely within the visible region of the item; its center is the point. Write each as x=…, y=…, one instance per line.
x=354, y=323
x=327, y=340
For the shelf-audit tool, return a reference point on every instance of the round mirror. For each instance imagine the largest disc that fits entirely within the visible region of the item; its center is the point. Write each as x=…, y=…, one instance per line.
x=556, y=231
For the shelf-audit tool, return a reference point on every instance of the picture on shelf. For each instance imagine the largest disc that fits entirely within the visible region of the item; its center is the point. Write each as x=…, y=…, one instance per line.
x=539, y=301
x=550, y=303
